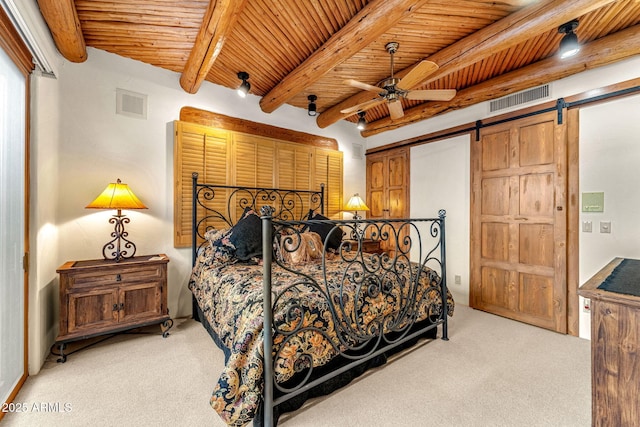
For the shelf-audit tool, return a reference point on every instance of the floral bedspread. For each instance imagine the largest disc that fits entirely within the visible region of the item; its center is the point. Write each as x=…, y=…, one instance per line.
x=229, y=294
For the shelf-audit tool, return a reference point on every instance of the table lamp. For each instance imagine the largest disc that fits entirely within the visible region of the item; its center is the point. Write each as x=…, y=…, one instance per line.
x=117, y=196
x=356, y=204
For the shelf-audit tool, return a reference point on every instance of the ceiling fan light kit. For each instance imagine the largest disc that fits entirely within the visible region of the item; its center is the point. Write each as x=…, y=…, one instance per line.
x=393, y=89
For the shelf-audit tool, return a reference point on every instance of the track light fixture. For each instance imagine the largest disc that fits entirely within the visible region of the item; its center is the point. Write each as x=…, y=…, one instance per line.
x=361, y=120
x=569, y=44
x=311, y=109
x=244, y=87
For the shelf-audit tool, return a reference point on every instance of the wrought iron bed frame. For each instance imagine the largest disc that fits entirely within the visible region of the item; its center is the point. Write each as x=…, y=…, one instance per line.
x=278, y=215
x=287, y=204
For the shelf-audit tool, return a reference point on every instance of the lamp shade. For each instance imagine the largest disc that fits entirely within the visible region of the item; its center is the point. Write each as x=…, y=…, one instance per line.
x=116, y=196
x=356, y=203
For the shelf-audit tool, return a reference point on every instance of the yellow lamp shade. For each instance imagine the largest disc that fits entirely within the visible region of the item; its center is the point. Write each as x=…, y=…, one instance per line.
x=116, y=196
x=356, y=203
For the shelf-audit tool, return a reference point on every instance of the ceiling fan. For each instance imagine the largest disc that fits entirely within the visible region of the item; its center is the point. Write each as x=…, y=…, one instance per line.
x=392, y=89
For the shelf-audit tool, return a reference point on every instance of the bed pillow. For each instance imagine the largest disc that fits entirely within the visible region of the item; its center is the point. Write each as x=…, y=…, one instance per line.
x=222, y=249
x=246, y=236
x=295, y=252
x=324, y=229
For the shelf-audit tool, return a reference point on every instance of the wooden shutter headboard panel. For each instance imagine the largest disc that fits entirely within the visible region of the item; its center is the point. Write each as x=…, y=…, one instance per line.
x=229, y=151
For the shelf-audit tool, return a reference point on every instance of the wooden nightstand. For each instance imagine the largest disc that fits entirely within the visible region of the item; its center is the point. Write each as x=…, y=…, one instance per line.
x=368, y=245
x=99, y=297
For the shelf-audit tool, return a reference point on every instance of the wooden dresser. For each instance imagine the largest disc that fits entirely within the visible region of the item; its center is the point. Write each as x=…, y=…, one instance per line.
x=99, y=297
x=615, y=350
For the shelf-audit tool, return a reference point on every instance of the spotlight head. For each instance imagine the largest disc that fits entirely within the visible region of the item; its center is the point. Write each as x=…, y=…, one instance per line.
x=362, y=123
x=569, y=44
x=245, y=86
x=312, y=109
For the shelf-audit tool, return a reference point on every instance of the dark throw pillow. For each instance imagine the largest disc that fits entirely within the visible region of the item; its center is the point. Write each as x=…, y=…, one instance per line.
x=324, y=230
x=246, y=236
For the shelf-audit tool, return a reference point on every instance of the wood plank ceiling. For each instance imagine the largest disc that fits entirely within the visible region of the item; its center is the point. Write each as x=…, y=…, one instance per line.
x=485, y=49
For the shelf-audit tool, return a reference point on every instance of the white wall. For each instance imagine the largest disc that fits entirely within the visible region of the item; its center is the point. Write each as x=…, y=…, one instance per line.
x=610, y=163
x=44, y=169
x=432, y=190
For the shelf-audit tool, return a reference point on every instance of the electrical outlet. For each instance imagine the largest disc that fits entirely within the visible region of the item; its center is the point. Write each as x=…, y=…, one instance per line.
x=457, y=279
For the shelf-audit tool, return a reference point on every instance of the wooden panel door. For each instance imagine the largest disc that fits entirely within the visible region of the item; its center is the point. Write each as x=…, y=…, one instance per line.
x=92, y=310
x=519, y=222
x=376, y=188
x=140, y=301
x=388, y=188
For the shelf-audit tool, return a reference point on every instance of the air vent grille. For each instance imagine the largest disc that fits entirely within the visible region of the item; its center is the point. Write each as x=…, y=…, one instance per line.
x=358, y=151
x=520, y=98
x=131, y=104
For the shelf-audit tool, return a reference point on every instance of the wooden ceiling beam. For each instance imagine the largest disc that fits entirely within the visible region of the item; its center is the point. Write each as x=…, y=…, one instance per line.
x=375, y=19
x=62, y=19
x=618, y=46
x=217, y=25
x=507, y=32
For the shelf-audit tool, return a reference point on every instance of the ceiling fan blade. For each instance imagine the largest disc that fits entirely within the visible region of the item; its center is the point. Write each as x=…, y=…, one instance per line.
x=417, y=75
x=363, y=86
x=367, y=105
x=431, y=95
x=395, y=109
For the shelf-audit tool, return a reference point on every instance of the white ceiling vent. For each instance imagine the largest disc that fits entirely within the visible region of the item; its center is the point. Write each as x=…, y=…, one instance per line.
x=520, y=98
x=131, y=104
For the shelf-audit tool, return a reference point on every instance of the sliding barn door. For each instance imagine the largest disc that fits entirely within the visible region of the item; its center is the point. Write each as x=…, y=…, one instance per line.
x=519, y=221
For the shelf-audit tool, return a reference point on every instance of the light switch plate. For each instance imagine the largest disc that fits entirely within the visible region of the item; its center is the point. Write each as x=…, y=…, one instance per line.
x=605, y=226
x=587, y=226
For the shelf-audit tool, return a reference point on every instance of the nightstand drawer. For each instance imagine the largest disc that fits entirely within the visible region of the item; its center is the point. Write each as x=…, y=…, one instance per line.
x=368, y=245
x=115, y=276
x=372, y=246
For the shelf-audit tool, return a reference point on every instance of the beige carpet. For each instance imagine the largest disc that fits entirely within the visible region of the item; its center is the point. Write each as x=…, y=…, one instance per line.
x=493, y=372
